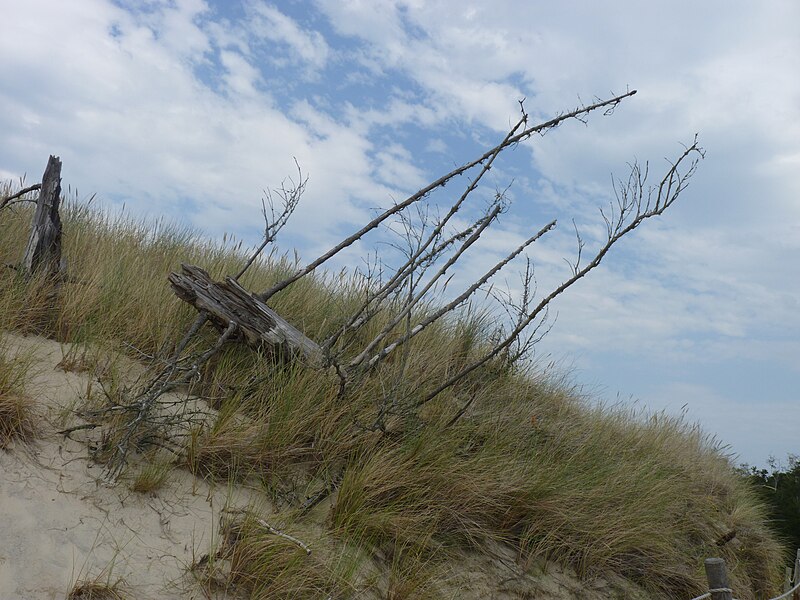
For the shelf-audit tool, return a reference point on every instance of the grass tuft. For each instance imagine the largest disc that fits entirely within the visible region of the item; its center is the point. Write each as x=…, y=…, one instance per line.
x=17, y=409
x=266, y=563
x=96, y=590
x=151, y=476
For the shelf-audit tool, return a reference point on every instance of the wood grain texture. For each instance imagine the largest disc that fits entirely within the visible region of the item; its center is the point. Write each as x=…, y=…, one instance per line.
x=228, y=302
x=43, y=250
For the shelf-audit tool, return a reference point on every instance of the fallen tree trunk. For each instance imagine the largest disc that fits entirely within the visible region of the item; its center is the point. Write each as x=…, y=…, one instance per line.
x=44, y=244
x=227, y=302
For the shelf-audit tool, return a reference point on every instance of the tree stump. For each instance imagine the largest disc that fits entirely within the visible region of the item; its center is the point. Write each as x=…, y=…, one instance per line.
x=43, y=252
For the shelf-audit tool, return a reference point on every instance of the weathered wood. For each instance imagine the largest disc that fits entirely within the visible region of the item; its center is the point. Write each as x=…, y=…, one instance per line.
x=43, y=251
x=228, y=302
x=717, y=576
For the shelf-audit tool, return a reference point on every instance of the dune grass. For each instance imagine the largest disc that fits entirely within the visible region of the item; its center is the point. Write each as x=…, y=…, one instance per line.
x=17, y=408
x=267, y=565
x=530, y=464
x=151, y=476
x=96, y=590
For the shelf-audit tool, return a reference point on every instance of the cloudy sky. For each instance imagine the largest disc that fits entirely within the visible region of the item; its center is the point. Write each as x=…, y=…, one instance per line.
x=189, y=109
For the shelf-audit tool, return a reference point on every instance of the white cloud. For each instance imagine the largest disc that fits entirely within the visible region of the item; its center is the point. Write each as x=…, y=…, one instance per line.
x=306, y=47
x=131, y=120
x=241, y=77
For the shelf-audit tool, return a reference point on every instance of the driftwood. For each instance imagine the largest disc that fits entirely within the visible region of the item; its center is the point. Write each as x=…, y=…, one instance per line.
x=227, y=302
x=43, y=251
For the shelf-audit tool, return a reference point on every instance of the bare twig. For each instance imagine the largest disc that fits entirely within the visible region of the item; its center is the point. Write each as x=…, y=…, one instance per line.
x=441, y=182
x=414, y=262
x=632, y=209
x=142, y=406
x=460, y=299
x=420, y=295
x=418, y=262
x=8, y=200
x=234, y=529
x=289, y=198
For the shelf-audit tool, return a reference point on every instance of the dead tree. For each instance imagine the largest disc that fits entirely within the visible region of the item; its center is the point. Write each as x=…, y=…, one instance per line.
x=141, y=416
x=43, y=251
x=405, y=296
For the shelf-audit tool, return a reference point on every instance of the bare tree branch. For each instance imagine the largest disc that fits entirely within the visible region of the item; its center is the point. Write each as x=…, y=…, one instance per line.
x=460, y=299
x=8, y=199
x=441, y=182
x=407, y=269
x=374, y=300
x=631, y=202
x=289, y=198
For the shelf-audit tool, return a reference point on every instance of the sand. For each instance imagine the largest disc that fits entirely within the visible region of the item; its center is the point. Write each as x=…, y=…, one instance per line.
x=60, y=525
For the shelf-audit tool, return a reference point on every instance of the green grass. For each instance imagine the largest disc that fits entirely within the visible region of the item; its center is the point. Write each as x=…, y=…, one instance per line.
x=530, y=465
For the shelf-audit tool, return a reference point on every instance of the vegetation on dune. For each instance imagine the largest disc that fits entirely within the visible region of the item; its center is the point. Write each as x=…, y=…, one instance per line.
x=17, y=409
x=530, y=464
x=779, y=488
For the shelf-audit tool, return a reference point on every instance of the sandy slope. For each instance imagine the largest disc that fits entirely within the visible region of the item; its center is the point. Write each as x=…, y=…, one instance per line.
x=59, y=525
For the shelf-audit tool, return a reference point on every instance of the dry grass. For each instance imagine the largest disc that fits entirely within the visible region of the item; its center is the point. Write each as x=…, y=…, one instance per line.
x=151, y=476
x=95, y=590
x=530, y=464
x=17, y=409
x=253, y=559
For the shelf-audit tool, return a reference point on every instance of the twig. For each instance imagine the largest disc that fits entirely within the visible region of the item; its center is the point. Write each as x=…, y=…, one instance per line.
x=459, y=299
x=67, y=432
x=147, y=399
x=409, y=305
x=290, y=199
x=7, y=200
x=441, y=182
x=235, y=528
x=631, y=201
x=285, y=536
x=461, y=411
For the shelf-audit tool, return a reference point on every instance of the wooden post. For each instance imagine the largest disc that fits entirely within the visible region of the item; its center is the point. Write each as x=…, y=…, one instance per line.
x=44, y=244
x=717, y=577
x=787, y=579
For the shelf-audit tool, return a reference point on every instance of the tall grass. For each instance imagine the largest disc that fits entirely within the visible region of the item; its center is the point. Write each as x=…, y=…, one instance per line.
x=530, y=464
x=17, y=409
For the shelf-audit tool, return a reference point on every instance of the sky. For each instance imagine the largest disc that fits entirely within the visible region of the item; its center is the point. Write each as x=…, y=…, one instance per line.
x=190, y=109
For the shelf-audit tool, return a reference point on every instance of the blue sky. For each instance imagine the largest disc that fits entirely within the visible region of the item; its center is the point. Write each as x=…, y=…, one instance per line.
x=189, y=109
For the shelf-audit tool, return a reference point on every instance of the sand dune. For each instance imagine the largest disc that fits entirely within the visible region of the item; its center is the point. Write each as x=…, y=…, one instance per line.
x=60, y=525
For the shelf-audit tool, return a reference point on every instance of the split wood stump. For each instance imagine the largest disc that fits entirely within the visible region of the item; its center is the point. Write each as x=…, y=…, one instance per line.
x=226, y=302
x=43, y=251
